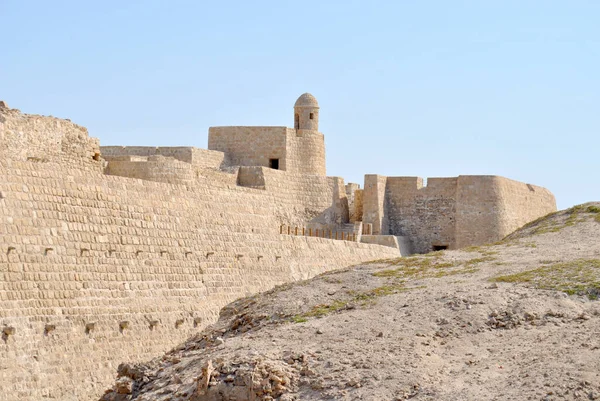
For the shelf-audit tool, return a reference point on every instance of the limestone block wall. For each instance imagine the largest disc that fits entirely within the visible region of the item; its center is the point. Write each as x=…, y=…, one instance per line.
x=523, y=203
x=374, y=210
x=305, y=152
x=453, y=212
x=298, y=151
x=96, y=270
x=491, y=207
x=42, y=139
x=205, y=158
x=152, y=168
x=299, y=199
x=426, y=215
x=250, y=146
x=195, y=156
x=358, y=205
x=354, y=195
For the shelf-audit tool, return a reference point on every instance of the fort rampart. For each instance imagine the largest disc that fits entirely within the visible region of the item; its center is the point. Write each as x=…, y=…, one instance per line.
x=99, y=269
x=451, y=212
x=114, y=254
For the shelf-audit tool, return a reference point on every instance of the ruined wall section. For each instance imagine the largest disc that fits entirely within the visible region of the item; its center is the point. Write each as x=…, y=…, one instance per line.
x=44, y=139
x=250, y=146
x=305, y=152
x=426, y=215
x=96, y=270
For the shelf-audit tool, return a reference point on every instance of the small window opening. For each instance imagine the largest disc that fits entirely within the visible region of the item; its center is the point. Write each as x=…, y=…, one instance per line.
x=440, y=247
x=297, y=121
x=312, y=116
x=96, y=156
x=274, y=164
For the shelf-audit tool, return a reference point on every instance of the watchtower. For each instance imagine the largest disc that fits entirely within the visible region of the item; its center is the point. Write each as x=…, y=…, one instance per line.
x=306, y=113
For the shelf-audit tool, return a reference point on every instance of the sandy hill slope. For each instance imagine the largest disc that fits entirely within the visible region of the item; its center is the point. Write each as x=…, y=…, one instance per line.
x=516, y=320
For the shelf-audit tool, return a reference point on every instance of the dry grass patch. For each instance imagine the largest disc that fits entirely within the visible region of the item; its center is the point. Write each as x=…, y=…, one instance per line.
x=581, y=276
x=574, y=216
x=420, y=268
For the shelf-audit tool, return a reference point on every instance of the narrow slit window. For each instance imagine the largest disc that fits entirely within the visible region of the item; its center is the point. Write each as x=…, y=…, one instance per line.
x=312, y=116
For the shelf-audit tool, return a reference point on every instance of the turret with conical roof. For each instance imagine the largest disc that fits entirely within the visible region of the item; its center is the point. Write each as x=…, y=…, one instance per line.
x=306, y=113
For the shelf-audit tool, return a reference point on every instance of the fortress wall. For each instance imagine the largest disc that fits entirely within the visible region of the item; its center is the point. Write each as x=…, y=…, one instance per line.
x=251, y=177
x=356, y=209
x=491, y=207
x=305, y=152
x=250, y=146
x=43, y=139
x=198, y=157
x=351, y=191
x=426, y=215
x=155, y=168
x=308, y=198
x=205, y=158
x=374, y=203
x=183, y=153
x=458, y=212
x=82, y=249
x=300, y=199
x=523, y=203
x=479, y=210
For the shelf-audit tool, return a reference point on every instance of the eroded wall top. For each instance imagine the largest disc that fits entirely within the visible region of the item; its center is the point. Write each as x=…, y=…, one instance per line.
x=43, y=138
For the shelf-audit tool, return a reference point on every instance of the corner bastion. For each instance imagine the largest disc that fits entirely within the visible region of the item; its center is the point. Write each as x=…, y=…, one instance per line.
x=115, y=254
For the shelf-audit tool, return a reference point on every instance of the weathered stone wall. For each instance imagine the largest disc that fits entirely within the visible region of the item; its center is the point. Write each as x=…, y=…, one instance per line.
x=523, y=203
x=96, y=270
x=423, y=214
x=43, y=139
x=151, y=168
x=374, y=206
x=453, y=212
x=491, y=207
x=354, y=195
x=195, y=156
x=250, y=146
x=305, y=152
x=99, y=269
x=299, y=199
x=298, y=151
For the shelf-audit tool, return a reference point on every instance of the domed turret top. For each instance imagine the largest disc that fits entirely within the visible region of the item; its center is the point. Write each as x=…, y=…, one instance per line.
x=306, y=100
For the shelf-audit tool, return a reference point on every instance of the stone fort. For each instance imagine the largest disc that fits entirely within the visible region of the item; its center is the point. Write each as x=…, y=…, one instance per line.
x=114, y=254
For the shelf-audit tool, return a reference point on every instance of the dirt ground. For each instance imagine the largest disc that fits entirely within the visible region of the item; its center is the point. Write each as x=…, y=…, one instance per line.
x=517, y=320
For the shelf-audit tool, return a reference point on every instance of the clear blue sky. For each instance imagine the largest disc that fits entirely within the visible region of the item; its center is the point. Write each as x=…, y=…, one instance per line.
x=427, y=88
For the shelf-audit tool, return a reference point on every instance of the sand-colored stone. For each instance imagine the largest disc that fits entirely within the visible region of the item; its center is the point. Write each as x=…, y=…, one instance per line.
x=442, y=326
x=451, y=212
x=113, y=254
